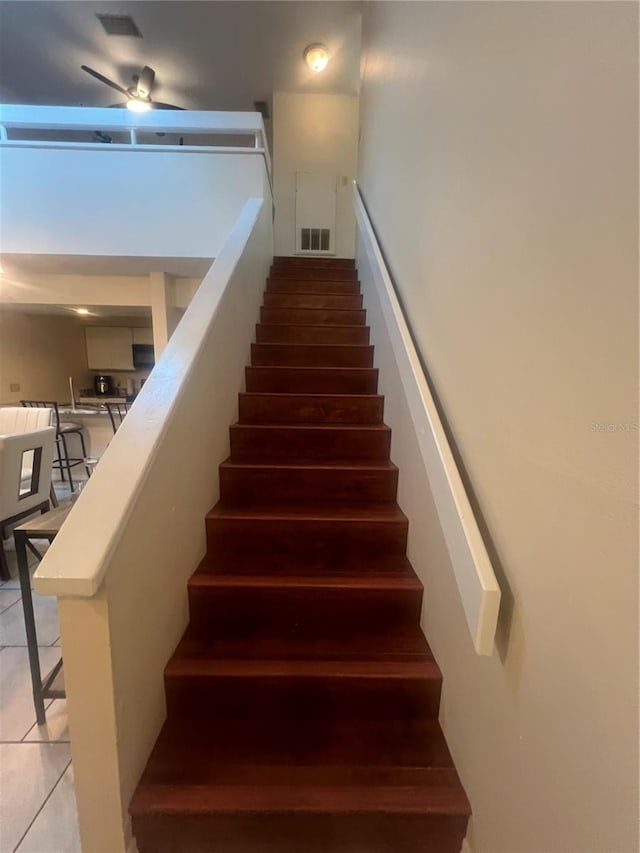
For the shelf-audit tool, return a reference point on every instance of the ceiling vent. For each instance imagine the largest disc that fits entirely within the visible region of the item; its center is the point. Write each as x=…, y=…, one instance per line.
x=119, y=25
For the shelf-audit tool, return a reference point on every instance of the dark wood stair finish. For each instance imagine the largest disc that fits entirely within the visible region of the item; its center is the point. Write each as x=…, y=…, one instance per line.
x=313, y=316
x=298, y=334
x=312, y=380
x=299, y=285
x=311, y=408
x=314, y=273
x=303, y=698
x=349, y=302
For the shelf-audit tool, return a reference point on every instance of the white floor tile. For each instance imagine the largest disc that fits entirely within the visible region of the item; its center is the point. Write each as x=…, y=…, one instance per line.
x=56, y=728
x=17, y=714
x=45, y=608
x=28, y=773
x=8, y=597
x=55, y=830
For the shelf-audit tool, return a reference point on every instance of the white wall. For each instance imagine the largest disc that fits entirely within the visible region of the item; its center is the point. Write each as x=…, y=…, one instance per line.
x=314, y=133
x=114, y=202
x=498, y=161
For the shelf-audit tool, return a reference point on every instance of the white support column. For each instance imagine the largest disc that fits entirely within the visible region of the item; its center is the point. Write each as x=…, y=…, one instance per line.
x=164, y=314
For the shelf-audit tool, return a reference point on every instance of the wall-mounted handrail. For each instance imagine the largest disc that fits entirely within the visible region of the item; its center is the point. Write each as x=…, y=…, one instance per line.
x=474, y=574
x=16, y=118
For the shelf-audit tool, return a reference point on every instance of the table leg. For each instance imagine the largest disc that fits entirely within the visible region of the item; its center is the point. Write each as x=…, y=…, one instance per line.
x=30, y=624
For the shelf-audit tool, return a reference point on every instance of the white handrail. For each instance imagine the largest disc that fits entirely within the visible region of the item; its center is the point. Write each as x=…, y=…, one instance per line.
x=475, y=577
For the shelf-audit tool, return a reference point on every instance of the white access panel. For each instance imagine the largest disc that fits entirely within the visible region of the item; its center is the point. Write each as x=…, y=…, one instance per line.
x=316, y=213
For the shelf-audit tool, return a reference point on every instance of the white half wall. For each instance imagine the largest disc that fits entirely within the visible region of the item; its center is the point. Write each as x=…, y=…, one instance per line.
x=123, y=202
x=141, y=522
x=314, y=133
x=499, y=165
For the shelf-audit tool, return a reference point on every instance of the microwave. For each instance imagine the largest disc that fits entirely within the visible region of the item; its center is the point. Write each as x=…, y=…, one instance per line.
x=143, y=355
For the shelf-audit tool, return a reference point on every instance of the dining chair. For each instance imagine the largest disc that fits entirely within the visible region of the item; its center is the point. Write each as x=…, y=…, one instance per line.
x=64, y=429
x=26, y=461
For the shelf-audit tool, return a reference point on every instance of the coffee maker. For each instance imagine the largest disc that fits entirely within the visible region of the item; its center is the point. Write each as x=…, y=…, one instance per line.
x=103, y=385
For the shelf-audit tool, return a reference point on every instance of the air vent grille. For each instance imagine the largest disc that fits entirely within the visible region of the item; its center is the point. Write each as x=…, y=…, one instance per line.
x=119, y=25
x=315, y=239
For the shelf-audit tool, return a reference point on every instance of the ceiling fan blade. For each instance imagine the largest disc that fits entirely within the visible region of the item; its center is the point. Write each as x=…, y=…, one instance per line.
x=105, y=80
x=144, y=83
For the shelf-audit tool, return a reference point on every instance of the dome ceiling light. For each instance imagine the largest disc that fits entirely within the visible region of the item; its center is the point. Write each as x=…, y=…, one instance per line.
x=316, y=57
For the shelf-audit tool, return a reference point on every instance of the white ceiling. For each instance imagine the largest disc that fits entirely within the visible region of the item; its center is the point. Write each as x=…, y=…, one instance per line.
x=207, y=55
x=95, y=311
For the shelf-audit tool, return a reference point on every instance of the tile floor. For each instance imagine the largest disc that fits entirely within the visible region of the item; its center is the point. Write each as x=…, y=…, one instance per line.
x=37, y=798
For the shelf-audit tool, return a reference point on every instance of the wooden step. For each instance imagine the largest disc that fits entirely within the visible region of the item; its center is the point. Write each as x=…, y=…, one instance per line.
x=197, y=753
x=310, y=408
x=344, y=688
x=258, y=441
x=311, y=261
x=312, y=300
x=315, y=273
x=271, y=333
x=320, y=536
x=362, y=480
x=264, y=810
x=302, y=285
x=313, y=316
x=312, y=380
x=313, y=355
x=223, y=605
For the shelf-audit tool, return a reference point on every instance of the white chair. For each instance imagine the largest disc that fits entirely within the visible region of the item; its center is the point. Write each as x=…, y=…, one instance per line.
x=25, y=479
x=18, y=419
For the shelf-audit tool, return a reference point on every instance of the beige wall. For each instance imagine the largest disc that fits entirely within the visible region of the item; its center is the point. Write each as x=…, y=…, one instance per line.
x=40, y=353
x=498, y=161
x=314, y=133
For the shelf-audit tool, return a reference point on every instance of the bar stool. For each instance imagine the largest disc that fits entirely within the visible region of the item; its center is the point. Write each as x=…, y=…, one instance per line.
x=116, y=411
x=63, y=430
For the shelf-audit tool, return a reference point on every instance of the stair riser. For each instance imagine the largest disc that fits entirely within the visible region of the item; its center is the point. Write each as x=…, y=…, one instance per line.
x=309, y=300
x=268, y=333
x=311, y=317
x=299, y=285
x=341, y=696
x=234, y=611
x=314, y=273
x=310, y=262
x=264, y=443
x=291, y=380
x=302, y=545
x=242, y=486
x=311, y=356
x=310, y=409
x=264, y=833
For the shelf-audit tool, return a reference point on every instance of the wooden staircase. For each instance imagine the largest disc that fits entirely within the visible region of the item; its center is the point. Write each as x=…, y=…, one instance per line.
x=303, y=697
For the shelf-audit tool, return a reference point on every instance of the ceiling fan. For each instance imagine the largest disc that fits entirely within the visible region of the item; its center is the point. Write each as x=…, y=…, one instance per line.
x=138, y=95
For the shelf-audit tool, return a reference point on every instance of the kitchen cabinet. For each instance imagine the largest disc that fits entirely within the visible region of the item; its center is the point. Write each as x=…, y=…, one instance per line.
x=109, y=347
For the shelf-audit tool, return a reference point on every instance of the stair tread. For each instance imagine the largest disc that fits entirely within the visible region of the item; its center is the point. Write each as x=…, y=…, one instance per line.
x=283, y=647
x=382, y=512
x=408, y=580
x=371, y=566
x=190, y=663
x=323, y=426
x=340, y=465
x=405, y=791
x=325, y=742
